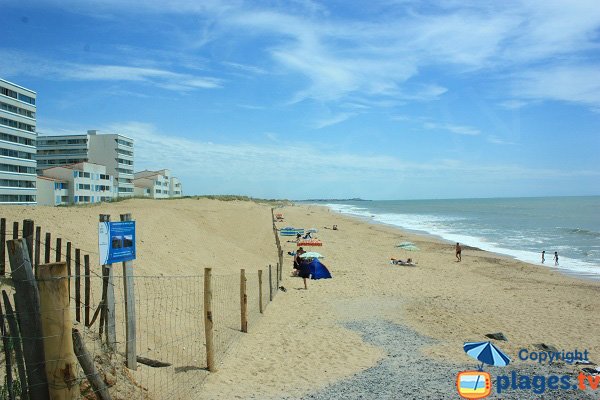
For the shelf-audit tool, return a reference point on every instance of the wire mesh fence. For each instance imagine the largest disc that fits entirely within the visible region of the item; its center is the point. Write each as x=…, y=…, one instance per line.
x=169, y=344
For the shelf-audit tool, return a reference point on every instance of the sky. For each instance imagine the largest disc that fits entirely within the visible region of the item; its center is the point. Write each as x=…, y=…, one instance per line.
x=302, y=99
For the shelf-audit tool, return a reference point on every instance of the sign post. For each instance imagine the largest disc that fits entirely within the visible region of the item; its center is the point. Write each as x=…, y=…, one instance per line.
x=129, y=295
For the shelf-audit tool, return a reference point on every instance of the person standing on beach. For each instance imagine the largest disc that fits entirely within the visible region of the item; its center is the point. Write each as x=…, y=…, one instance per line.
x=458, y=252
x=556, y=258
x=543, y=256
x=304, y=271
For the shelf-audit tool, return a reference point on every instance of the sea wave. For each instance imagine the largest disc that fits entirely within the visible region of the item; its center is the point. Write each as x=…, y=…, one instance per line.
x=445, y=227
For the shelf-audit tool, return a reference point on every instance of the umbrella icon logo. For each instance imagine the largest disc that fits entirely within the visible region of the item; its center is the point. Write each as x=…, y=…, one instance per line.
x=478, y=384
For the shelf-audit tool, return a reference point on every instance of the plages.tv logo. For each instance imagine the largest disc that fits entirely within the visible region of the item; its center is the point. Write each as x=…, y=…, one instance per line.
x=477, y=384
x=474, y=384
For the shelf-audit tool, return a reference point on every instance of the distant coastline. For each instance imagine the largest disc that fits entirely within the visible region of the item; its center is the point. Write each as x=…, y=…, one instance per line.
x=330, y=200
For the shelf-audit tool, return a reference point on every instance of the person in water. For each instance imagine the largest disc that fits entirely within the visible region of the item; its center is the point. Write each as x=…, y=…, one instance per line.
x=543, y=256
x=556, y=258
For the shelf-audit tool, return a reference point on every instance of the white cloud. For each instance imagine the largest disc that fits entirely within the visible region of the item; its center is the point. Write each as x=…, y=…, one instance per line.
x=496, y=140
x=13, y=62
x=332, y=120
x=570, y=83
x=243, y=162
x=458, y=129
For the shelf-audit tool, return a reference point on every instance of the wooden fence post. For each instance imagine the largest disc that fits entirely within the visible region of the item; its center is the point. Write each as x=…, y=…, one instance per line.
x=87, y=284
x=260, y=293
x=16, y=342
x=15, y=230
x=38, y=245
x=129, y=297
x=7, y=357
x=61, y=364
x=68, y=257
x=278, y=276
x=27, y=304
x=208, y=320
x=110, y=320
x=270, y=284
x=77, y=285
x=2, y=246
x=58, y=249
x=47, y=248
x=28, y=236
x=107, y=315
x=243, y=302
x=89, y=369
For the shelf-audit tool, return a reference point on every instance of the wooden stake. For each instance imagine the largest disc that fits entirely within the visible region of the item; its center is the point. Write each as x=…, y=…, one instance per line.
x=87, y=284
x=47, y=248
x=77, y=284
x=270, y=284
x=107, y=313
x=7, y=357
x=260, y=293
x=61, y=363
x=15, y=230
x=16, y=342
x=208, y=320
x=243, y=302
x=89, y=369
x=109, y=316
x=28, y=236
x=129, y=297
x=68, y=257
x=38, y=246
x=2, y=246
x=58, y=249
x=27, y=304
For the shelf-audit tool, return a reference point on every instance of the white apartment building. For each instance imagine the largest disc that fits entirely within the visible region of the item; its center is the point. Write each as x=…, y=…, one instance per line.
x=17, y=144
x=157, y=184
x=175, y=187
x=114, y=151
x=80, y=183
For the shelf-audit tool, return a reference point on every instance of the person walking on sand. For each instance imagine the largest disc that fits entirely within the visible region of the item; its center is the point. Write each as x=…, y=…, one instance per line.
x=556, y=258
x=304, y=271
x=458, y=252
x=543, y=256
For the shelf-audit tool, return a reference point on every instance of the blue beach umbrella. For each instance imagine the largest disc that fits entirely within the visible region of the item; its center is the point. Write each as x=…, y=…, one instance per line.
x=487, y=353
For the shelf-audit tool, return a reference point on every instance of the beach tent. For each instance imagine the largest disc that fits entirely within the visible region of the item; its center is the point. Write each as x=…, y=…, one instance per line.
x=318, y=270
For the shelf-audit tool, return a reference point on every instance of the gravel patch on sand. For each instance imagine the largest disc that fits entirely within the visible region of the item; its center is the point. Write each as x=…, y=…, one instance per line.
x=405, y=373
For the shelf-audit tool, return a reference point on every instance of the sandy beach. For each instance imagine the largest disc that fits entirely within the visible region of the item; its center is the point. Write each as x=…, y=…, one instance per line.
x=309, y=339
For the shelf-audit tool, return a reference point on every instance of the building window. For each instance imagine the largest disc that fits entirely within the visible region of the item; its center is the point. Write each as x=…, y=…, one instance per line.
x=17, y=168
x=17, y=184
x=17, y=110
x=16, y=154
x=17, y=198
x=17, y=139
x=124, y=143
x=125, y=152
x=17, y=125
x=27, y=99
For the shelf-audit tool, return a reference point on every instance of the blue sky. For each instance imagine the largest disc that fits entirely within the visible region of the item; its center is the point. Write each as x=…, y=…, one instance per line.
x=304, y=99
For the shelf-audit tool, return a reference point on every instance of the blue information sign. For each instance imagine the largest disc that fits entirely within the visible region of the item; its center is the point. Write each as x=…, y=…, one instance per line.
x=116, y=241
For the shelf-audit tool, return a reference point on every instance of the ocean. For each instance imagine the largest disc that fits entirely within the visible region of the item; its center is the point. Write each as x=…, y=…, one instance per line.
x=517, y=227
